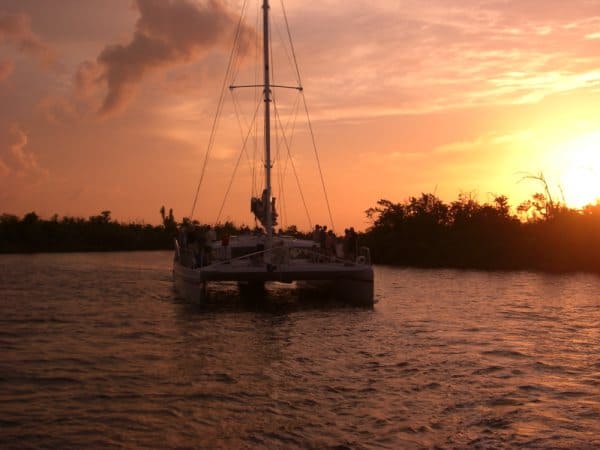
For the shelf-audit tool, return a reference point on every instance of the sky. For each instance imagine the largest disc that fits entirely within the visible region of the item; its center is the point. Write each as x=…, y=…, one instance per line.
x=108, y=105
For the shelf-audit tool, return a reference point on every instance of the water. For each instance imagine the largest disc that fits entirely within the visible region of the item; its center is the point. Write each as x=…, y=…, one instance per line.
x=97, y=351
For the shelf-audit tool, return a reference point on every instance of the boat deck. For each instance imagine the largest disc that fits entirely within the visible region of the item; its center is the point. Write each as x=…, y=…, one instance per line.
x=285, y=273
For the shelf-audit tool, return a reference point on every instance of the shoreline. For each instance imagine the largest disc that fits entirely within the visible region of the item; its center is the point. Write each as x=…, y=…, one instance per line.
x=398, y=265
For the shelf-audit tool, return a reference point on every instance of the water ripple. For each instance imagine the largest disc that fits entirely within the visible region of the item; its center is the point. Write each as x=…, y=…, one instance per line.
x=97, y=351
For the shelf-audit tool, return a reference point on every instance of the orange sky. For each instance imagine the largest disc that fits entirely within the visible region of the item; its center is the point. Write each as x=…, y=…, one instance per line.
x=107, y=104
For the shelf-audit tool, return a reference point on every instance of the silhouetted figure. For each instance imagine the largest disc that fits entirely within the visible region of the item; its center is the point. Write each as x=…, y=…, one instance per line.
x=225, y=249
x=316, y=234
x=225, y=239
x=323, y=239
x=330, y=244
x=351, y=244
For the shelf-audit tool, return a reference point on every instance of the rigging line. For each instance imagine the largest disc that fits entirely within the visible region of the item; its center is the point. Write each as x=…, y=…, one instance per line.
x=295, y=116
x=285, y=49
x=277, y=158
x=293, y=121
x=312, y=136
x=293, y=64
x=238, y=115
x=237, y=165
x=219, y=107
x=235, y=66
x=287, y=26
x=307, y=115
x=298, y=184
x=235, y=107
x=280, y=192
x=296, y=176
x=280, y=167
x=254, y=186
x=285, y=165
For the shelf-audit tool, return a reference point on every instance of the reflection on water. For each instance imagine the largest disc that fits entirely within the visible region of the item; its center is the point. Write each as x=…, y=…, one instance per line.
x=98, y=351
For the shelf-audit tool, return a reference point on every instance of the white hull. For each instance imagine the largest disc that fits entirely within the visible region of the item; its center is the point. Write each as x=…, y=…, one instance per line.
x=348, y=283
x=188, y=284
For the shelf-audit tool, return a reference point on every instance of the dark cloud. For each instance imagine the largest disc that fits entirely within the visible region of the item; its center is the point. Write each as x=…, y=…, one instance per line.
x=167, y=32
x=16, y=29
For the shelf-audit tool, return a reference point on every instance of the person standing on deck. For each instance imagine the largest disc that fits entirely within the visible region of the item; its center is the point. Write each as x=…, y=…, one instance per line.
x=352, y=244
x=323, y=239
x=316, y=234
x=330, y=244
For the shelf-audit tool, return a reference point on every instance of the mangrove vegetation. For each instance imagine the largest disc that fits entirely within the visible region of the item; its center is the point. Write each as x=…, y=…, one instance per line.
x=542, y=235
x=422, y=231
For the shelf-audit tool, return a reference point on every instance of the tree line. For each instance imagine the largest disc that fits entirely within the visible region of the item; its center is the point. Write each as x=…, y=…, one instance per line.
x=32, y=234
x=422, y=231
x=543, y=234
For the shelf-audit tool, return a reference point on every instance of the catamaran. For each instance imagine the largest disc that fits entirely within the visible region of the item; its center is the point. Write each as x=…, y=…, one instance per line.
x=254, y=260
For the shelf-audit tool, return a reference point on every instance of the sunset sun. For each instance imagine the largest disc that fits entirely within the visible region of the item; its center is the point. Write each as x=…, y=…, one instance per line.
x=580, y=170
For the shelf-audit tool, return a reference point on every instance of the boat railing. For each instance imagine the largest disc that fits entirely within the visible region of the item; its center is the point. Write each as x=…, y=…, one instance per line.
x=254, y=257
x=284, y=256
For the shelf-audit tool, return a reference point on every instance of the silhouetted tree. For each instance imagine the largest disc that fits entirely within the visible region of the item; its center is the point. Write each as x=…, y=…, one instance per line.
x=423, y=231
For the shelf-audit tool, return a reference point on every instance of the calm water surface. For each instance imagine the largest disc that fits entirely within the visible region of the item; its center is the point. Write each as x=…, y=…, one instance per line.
x=97, y=351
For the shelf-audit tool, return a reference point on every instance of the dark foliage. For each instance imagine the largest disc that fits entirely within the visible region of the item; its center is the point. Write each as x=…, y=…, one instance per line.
x=420, y=232
x=32, y=234
x=426, y=232
x=98, y=233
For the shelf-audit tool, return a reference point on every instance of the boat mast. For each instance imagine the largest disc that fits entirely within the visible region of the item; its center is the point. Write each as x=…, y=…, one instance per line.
x=267, y=95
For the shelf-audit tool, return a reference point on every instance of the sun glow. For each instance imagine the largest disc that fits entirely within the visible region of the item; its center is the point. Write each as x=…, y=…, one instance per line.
x=580, y=170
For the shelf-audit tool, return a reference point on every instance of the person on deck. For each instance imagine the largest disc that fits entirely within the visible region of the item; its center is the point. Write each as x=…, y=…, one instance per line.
x=316, y=234
x=352, y=244
x=330, y=244
x=323, y=239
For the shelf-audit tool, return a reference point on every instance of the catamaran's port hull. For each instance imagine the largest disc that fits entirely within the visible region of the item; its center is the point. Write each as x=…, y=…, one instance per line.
x=351, y=284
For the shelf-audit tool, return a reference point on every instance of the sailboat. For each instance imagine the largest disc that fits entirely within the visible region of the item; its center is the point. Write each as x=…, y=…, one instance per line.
x=254, y=260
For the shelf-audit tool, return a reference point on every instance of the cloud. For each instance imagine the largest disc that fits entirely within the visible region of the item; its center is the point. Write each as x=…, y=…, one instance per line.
x=15, y=158
x=485, y=142
x=4, y=169
x=6, y=68
x=16, y=30
x=86, y=78
x=168, y=32
x=24, y=159
x=56, y=110
x=393, y=63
